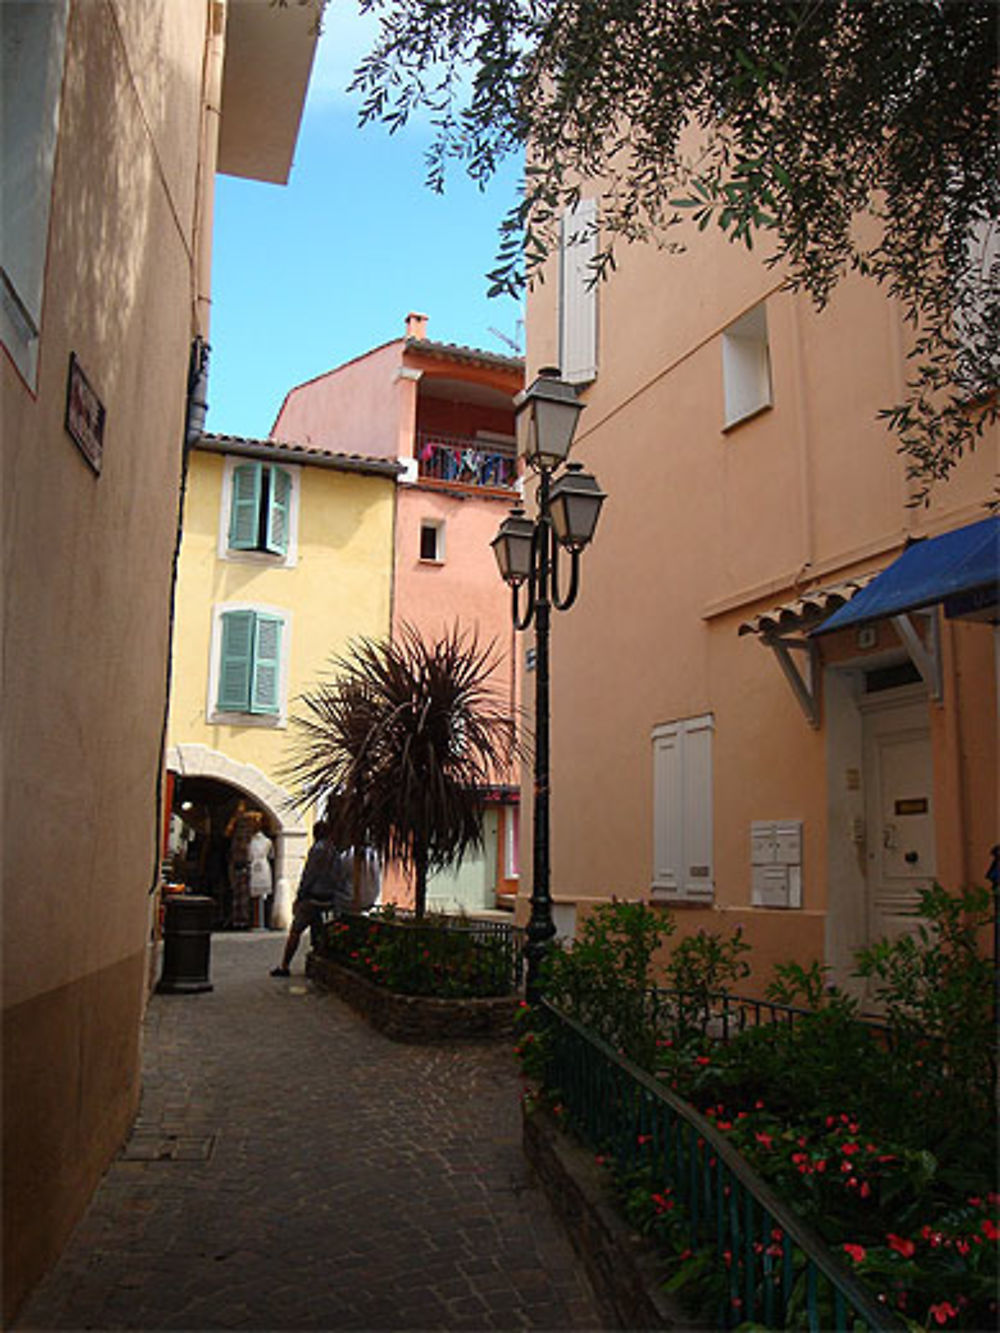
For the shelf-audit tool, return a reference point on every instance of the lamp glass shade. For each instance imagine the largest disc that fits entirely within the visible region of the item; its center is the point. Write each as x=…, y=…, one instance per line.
x=575, y=506
x=512, y=547
x=547, y=414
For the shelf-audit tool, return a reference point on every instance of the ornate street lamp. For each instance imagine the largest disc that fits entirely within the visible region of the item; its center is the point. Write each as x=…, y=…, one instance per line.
x=527, y=553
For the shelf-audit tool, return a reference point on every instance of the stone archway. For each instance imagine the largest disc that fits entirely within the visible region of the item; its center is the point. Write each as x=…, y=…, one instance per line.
x=198, y=761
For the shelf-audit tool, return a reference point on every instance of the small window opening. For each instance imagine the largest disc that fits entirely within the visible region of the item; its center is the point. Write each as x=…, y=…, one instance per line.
x=432, y=542
x=746, y=366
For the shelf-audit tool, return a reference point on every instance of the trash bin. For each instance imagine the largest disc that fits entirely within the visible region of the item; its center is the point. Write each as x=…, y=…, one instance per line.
x=187, y=939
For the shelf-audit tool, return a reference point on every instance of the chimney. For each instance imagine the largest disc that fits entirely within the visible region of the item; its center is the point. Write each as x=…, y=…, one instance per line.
x=416, y=325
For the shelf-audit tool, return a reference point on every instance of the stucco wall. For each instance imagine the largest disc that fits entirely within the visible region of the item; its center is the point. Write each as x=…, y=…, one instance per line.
x=355, y=408
x=339, y=589
x=705, y=527
x=87, y=576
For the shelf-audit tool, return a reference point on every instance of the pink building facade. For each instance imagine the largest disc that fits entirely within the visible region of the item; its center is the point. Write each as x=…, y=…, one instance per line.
x=446, y=413
x=710, y=753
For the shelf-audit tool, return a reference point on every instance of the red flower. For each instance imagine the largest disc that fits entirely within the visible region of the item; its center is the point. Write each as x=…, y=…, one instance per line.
x=942, y=1312
x=764, y=1140
x=901, y=1245
x=848, y=1149
x=856, y=1252
x=865, y=1189
x=990, y=1229
x=723, y=1124
x=962, y=1246
x=821, y=1165
x=685, y=1254
x=702, y=1060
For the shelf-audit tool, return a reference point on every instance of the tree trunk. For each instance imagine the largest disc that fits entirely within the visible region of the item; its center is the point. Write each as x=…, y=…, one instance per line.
x=420, y=879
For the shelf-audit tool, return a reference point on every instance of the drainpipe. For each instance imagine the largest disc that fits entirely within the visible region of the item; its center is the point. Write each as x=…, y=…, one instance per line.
x=211, y=119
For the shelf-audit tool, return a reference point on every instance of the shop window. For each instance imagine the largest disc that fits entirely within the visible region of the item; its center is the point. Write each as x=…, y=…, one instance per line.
x=249, y=660
x=32, y=45
x=682, y=810
x=746, y=366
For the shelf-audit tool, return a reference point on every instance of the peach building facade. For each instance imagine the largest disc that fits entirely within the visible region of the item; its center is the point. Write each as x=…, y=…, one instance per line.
x=112, y=117
x=445, y=412
x=708, y=751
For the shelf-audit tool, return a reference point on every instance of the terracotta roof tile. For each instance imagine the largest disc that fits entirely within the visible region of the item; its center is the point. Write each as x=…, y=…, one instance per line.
x=807, y=609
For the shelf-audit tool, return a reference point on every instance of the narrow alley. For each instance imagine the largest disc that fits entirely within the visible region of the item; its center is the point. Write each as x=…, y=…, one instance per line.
x=292, y=1169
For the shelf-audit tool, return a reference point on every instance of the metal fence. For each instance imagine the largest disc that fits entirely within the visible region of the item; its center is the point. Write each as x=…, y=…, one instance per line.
x=776, y=1272
x=722, y=1015
x=442, y=956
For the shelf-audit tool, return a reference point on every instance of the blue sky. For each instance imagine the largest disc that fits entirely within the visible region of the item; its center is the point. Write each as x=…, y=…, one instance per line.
x=307, y=275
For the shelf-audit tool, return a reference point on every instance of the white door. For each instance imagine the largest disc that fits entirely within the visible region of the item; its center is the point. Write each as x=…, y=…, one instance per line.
x=899, y=811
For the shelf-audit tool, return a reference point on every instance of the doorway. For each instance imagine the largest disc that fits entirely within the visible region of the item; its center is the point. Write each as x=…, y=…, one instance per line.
x=899, y=810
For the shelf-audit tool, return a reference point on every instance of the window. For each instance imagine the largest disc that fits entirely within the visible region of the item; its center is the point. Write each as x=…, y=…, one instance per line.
x=578, y=294
x=682, y=810
x=432, y=541
x=259, y=512
x=32, y=43
x=249, y=656
x=746, y=366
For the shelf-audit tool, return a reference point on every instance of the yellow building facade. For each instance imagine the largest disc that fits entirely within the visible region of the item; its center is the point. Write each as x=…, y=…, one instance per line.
x=287, y=558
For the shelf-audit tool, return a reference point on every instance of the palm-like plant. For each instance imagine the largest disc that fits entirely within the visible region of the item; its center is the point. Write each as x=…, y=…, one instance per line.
x=409, y=734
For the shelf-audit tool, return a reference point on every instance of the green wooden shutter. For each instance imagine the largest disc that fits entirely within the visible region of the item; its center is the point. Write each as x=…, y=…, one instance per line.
x=279, y=510
x=244, y=517
x=236, y=660
x=264, y=692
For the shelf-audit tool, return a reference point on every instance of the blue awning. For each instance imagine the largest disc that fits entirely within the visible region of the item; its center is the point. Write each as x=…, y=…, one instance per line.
x=960, y=569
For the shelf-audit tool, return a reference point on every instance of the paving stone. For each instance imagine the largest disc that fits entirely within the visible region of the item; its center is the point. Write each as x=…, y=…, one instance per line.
x=292, y=1169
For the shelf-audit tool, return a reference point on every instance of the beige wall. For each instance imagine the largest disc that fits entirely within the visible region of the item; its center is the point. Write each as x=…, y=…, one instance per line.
x=87, y=579
x=704, y=528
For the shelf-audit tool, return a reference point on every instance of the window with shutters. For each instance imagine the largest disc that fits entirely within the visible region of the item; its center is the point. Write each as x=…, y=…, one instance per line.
x=259, y=511
x=32, y=46
x=578, y=294
x=250, y=650
x=746, y=366
x=682, y=810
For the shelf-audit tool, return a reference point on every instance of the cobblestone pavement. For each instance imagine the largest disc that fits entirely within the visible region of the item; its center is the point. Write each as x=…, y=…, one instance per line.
x=292, y=1169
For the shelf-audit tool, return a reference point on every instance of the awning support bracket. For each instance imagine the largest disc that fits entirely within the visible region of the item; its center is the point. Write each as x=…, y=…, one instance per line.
x=804, y=683
x=925, y=654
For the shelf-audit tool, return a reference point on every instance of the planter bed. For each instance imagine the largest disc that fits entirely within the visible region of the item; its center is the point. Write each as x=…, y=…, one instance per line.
x=624, y=1269
x=415, y=1018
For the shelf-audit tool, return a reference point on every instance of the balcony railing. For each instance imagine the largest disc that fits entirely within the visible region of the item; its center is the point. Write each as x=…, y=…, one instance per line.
x=462, y=461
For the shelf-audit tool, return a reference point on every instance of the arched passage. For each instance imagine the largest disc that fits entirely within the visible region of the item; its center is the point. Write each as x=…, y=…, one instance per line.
x=291, y=834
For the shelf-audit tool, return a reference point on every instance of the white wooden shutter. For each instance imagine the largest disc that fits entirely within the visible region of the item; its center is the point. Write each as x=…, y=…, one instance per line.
x=578, y=294
x=668, y=810
x=682, y=810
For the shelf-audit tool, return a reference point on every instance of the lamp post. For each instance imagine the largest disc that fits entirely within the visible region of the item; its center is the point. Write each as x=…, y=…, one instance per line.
x=527, y=553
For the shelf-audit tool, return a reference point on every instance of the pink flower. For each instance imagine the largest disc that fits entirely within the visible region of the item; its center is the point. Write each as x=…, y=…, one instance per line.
x=942, y=1312
x=855, y=1252
x=901, y=1245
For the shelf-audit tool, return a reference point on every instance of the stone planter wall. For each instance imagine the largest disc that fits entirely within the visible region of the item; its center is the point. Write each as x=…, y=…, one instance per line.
x=415, y=1018
x=624, y=1269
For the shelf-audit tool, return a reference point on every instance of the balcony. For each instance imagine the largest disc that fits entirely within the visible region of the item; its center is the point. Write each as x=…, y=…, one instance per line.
x=460, y=461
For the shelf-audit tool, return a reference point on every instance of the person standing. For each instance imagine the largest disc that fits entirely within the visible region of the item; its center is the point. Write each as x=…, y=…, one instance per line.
x=325, y=883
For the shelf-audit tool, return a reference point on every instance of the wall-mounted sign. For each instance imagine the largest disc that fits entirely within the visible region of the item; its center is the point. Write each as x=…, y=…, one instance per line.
x=912, y=805
x=84, y=415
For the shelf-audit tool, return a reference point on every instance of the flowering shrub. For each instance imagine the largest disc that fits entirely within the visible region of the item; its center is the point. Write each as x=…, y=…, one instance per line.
x=882, y=1140
x=427, y=959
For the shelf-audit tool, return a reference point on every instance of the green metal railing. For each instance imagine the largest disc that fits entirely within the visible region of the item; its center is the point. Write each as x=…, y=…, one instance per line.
x=778, y=1273
x=440, y=956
